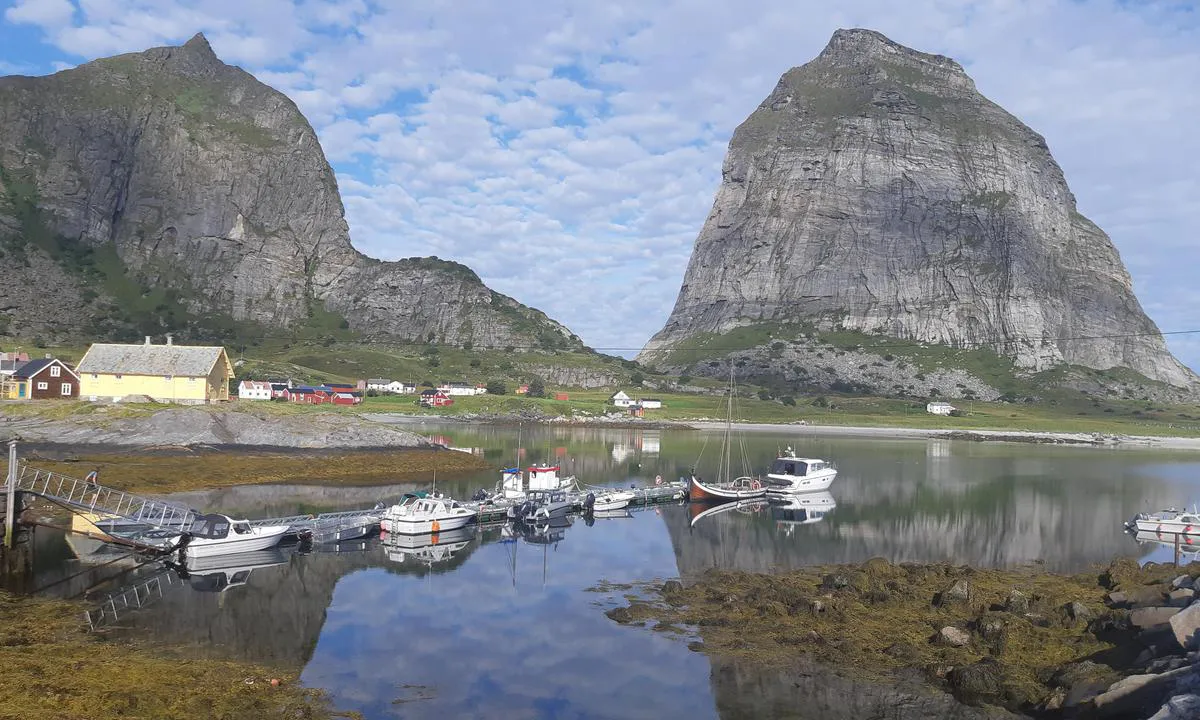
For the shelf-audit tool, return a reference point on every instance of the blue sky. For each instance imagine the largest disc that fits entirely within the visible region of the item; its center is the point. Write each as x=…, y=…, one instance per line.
x=569, y=151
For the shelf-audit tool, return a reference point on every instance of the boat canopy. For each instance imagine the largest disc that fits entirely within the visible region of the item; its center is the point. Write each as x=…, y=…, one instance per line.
x=796, y=466
x=210, y=527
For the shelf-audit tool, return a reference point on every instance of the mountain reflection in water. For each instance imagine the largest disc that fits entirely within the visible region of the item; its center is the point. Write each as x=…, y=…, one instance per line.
x=492, y=622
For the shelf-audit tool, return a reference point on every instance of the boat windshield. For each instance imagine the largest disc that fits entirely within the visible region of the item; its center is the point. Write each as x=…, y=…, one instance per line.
x=799, y=468
x=242, y=528
x=210, y=527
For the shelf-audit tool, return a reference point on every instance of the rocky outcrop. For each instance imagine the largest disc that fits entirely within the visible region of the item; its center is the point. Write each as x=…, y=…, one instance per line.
x=169, y=172
x=877, y=191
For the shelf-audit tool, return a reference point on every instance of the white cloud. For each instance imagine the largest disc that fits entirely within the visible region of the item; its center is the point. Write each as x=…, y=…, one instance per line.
x=569, y=153
x=44, y=13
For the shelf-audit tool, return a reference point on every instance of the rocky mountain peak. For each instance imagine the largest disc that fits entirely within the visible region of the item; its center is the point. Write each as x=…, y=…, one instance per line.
x=170, y=180
x=875, y=191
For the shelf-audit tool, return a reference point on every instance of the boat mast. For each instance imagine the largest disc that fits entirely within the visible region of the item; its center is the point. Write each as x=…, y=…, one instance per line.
x=725, y=467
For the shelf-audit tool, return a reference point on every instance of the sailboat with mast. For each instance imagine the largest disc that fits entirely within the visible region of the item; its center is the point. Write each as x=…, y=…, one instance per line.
x=726, y=487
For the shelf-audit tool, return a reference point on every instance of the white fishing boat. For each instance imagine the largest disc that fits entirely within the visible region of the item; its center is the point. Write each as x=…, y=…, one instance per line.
x=726, y=487
x=1167, y=522
x=217, y=534
x=607, y=500
x=516, y=486
x=426, y=515
x=790, y=475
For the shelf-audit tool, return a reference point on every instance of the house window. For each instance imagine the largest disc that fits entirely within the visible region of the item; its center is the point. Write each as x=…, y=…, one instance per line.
x=118, y=376
x=191, y=379
x=95, y=376
x=167, y=378
x=66, y=388
x=55, y=371
x=43, y=385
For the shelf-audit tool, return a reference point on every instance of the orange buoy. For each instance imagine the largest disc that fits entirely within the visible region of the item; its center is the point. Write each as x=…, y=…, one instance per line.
x=436, y=526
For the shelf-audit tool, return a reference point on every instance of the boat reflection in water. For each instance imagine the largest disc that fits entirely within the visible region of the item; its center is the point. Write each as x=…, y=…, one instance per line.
x=701, y=511
x=428, y=548
x=801, y=510
x=1189, y=546
x=220, y=573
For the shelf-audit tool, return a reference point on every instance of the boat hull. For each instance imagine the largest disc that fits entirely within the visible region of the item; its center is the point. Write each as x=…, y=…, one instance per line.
x=262, y=539
x=699, y=491
x=427, y=526
x=612, y=501
x=1167, y=527
x=818, y=481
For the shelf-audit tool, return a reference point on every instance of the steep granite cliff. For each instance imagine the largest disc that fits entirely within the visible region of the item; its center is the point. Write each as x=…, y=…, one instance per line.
x=877, y=193
x=169, y=184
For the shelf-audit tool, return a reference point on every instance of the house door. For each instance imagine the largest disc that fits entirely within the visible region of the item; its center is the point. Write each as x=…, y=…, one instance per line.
x=20, y=390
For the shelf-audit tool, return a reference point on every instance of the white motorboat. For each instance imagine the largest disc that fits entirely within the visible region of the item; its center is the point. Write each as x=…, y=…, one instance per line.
x=790, y=475
x=1168, y=523
x=608, y=500
x=425, y=516
x=217, y=534
x=541, y=505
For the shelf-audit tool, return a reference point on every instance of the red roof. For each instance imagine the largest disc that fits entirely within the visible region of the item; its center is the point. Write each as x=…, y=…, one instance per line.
x=543, y=469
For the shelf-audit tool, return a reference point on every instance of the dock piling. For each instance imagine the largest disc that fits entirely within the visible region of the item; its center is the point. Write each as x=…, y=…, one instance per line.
x=10, y=507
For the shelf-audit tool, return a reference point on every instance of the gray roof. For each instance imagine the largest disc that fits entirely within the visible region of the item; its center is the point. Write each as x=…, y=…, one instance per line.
x=379, y=381
x=185, y=360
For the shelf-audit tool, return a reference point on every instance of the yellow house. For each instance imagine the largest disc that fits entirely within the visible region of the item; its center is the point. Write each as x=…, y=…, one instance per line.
x=164, y=373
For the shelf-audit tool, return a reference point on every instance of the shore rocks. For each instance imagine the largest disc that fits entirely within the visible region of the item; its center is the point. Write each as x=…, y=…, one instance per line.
x=951, y=636
x=1017, y=602
x=1185, y=625
x=1149, y=617
x=959, y=592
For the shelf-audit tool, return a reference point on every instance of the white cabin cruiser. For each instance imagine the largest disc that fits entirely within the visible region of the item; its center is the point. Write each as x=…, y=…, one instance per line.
x=1167, y=522
x=217, y=534
x=425, y=515
x=790, y=475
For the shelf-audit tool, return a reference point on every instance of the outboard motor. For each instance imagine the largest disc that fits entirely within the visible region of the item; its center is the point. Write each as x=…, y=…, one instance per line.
x=479, y=495
x=589, y=502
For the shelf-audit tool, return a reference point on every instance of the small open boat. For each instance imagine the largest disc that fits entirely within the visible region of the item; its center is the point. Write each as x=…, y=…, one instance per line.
x=217, y=534
x=607, y=500
x=426, y=515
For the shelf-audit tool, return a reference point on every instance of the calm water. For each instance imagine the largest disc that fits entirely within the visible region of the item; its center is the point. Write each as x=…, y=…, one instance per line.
x=487, y=624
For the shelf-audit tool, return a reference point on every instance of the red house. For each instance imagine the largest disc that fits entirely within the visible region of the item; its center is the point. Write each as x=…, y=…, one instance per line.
x=346, y=398
x=309, y=395
x=435, y=398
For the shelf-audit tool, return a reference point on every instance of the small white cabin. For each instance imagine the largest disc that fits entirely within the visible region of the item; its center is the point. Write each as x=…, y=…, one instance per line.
x=650, y=403
x=940, y=408
x=621, y=400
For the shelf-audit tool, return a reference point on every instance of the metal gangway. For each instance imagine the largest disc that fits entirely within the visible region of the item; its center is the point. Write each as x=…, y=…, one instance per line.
x=107, y=503
x=138, y=512
x=112, y=606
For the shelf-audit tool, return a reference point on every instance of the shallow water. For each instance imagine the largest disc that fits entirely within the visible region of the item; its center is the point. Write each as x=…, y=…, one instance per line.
x=488, y=624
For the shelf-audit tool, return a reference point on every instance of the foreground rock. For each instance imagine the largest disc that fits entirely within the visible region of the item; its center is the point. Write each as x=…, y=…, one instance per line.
x=1024, y=640
x=192, y=426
